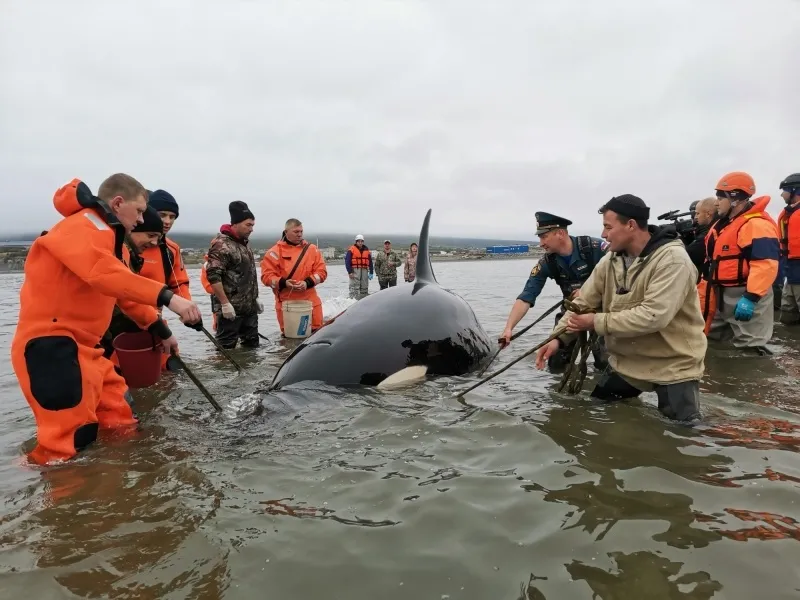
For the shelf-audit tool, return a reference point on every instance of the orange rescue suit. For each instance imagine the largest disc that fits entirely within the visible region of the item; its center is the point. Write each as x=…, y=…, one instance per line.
x=789, y=230
x=279, y=260
x=207, y=287
x=142, y=315
x=745, y=251
x=74, y=275
x=163, y=263
x=708, y=302
x=204, y=277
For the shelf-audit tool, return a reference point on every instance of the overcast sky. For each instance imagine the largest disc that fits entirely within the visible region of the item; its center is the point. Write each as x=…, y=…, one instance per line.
x=358, y=116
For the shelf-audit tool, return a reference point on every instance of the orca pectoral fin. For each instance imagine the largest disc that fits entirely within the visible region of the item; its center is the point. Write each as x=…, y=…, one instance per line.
x=404, y=377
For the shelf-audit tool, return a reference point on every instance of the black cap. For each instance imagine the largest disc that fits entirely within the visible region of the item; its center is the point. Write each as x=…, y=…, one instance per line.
x=627, y=205
x=162, y=200
x=546, y=222
x=152, y=222
x=791, y=182
x=239, y=212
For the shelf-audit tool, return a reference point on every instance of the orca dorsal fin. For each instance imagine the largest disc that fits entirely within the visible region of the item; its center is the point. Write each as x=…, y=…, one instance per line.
x=424, y=274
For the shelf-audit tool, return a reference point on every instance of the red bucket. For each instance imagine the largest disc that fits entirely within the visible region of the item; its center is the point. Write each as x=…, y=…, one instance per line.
x=139, y=362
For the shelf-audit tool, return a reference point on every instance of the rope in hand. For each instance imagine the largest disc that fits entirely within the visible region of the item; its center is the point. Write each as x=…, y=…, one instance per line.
x=581, y=346
x=573, y=378
x=519, y=333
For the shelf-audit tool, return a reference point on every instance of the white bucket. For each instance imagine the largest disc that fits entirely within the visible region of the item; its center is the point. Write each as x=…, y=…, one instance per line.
x=297, y=318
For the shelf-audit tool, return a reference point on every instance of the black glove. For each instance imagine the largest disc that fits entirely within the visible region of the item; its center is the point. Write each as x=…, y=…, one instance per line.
x=196, y=326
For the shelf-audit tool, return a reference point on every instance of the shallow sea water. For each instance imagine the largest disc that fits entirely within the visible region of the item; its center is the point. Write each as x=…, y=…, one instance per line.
x=516, y=493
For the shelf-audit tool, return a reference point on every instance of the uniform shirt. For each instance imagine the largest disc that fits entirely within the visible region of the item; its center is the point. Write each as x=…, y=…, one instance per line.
x=578, y=269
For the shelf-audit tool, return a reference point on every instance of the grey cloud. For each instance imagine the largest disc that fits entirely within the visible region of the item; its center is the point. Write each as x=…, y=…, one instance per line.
x=362, y=117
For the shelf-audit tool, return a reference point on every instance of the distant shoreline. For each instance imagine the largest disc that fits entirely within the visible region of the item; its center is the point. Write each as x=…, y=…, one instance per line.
x=195, y=260
x=192, y=262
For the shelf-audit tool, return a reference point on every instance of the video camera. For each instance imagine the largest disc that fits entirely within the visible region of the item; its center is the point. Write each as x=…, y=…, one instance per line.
x=686, y=228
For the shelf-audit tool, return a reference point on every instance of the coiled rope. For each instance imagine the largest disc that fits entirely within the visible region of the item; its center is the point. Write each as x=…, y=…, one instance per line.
x=572, y=379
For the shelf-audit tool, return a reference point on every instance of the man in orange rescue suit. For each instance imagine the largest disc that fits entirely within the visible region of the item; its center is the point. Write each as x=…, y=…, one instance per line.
x=73, y=277
x=293, y=268
x=743, y=250
x=164, y=263
x=789, y=228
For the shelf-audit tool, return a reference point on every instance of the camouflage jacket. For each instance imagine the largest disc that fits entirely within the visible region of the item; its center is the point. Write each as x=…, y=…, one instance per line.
x=386, y=264
x=231, y=262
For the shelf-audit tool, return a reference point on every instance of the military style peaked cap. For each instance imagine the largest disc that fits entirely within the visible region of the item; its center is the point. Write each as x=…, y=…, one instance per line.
x=546, y=222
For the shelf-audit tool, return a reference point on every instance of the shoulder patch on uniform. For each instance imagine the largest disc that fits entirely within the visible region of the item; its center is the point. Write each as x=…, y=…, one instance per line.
x=536, y=268
x=96, y=221
x=273, y=254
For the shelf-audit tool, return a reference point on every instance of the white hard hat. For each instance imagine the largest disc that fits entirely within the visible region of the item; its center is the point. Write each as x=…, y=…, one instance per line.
x=360, y=237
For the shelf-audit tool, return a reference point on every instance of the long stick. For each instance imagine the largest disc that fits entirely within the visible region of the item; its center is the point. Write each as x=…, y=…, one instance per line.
x=519, y=333
x=215, y=341
x=196, y=381
x=555, y=334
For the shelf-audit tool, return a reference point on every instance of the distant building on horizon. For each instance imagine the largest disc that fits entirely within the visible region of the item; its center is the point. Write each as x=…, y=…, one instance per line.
x=513, y=249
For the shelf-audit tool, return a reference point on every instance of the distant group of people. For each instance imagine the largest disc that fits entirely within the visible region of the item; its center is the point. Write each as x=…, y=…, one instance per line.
x=653, y=298
x=108, y=267
x=358, y=262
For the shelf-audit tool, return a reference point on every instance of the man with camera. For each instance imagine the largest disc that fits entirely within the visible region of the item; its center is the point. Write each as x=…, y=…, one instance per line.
x=704, y=212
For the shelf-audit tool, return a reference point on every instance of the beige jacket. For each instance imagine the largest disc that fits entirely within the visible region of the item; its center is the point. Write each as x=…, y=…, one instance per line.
x=654, y=333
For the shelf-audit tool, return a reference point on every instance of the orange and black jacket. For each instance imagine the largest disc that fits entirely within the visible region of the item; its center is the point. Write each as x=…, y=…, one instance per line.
x=356, y=258
x=789, y=229
x=144, y=317
x=163, y=263
x=75, y=274
x=745, y=251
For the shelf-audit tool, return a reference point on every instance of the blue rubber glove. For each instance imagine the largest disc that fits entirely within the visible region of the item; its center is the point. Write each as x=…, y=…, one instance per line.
x=744, y=309
x=370, y=278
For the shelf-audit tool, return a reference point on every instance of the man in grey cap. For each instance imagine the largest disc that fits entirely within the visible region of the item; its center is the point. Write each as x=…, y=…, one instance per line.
x=386, y=264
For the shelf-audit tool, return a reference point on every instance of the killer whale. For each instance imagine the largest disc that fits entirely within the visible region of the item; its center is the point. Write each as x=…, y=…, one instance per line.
x=417, y=330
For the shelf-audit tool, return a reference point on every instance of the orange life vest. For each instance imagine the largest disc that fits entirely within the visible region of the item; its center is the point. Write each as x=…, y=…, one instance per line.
x=789, y=230
x=730, y=265
x=203, y=278
x=360, y=258
x=163, y=263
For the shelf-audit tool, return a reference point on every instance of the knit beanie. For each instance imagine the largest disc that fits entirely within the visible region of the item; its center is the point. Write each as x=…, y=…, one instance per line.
x=629, y=206
x=152, y=222
x=161, y=200
x=239, y=212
